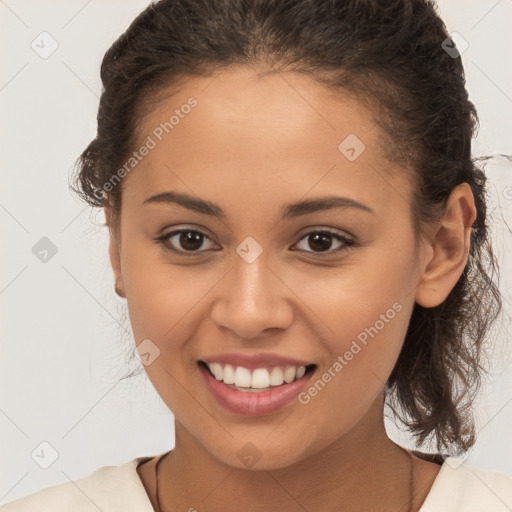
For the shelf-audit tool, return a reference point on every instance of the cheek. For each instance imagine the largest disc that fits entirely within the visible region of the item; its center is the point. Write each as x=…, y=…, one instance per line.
x=366, y=334
x=374, y=283
x=164, y=300
x=364, y=310
x=159, y=302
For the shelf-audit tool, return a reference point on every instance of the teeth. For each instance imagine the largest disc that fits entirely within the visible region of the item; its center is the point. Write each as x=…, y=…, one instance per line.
x=276, y=377
x=289, y=374
x=229, y=374
x=242, y=377
x=217, y=371
x=260, y=378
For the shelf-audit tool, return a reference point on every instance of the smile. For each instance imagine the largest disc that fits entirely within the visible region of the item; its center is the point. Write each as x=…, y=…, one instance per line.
x=254, y=391
x=245, y=379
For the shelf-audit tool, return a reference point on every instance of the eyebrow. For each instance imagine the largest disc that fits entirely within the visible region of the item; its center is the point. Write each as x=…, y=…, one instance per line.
x=291, y=210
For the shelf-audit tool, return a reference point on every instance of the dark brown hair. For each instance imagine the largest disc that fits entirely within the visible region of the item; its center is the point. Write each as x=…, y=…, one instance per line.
x=387, y=53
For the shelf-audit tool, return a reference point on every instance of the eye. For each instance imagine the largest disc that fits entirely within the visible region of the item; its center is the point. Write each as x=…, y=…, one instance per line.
x=322, y=239
x=189, y=239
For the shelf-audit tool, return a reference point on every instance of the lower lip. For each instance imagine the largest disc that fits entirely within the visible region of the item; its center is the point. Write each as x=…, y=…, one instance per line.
x=256, y=403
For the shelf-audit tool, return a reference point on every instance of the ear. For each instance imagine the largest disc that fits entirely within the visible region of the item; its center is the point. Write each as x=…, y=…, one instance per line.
x=449, y=247
x=114, y=250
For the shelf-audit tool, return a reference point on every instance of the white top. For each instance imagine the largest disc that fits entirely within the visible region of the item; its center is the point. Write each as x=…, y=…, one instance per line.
x=119, y=489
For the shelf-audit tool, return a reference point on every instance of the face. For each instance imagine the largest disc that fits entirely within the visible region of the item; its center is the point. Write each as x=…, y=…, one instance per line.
x=265, y=286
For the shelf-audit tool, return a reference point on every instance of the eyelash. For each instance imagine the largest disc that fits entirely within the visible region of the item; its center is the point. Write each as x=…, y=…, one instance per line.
x=347, y=243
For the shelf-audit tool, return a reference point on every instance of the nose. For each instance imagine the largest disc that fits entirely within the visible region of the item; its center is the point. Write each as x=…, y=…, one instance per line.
x=252, y=299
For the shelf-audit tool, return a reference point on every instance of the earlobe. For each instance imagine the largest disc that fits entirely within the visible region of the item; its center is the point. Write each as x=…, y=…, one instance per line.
x=114, y=252
x=449, y=248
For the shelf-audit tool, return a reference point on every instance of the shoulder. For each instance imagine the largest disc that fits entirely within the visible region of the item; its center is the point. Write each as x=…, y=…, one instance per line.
x=465, y=488
x=113, y=488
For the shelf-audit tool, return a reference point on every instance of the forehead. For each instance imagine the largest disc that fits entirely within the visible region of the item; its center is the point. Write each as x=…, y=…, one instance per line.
x=262, y=136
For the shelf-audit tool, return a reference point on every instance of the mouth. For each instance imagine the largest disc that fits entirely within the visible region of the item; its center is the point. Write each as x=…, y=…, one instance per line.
x=254, y=391
x=256, y=380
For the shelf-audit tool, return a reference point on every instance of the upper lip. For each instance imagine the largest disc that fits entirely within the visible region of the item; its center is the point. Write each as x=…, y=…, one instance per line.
x=252, y=361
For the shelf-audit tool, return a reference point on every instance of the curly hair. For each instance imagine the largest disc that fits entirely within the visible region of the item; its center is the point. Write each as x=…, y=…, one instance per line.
x=387, y=53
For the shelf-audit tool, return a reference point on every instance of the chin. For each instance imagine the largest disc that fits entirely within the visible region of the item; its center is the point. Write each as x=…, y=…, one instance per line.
x=263, y=455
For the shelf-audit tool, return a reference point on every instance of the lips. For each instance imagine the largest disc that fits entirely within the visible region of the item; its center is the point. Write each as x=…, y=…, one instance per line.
x=256, y=384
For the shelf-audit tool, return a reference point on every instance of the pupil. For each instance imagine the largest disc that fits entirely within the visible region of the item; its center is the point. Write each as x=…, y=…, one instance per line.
x=319, y=238
x=189, y=240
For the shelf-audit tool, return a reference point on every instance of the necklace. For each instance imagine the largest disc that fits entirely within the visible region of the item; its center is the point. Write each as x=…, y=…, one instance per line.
x=411, y=480
x=159, y=508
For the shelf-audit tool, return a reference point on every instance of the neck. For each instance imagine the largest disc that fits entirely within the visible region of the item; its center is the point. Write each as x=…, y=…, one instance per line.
x=361, y=470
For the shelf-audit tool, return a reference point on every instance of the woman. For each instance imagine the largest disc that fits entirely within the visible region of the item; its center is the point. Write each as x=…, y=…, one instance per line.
x=299, y=230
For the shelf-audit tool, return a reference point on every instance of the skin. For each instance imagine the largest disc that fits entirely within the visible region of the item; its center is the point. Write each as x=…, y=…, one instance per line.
x=252, y=144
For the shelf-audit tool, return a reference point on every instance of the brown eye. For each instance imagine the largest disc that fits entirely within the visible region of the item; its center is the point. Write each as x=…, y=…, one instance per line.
x=321, y=241
x=184, y=241
x=190, y=240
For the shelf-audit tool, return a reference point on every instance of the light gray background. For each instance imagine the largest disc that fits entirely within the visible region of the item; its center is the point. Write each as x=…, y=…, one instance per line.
x=62, y=351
